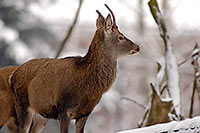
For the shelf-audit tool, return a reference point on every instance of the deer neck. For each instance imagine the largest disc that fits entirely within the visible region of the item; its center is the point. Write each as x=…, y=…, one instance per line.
x=100, y=67
x=98, y=54
x=103, y=67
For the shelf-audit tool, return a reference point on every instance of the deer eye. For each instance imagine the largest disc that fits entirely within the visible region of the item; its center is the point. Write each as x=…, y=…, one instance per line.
x=120, y=38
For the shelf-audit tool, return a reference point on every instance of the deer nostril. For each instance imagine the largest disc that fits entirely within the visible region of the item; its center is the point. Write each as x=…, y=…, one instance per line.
x=138, y=48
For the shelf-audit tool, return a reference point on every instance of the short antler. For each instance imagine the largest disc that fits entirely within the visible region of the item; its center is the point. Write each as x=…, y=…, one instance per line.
x=99, y=12
x=114, y=22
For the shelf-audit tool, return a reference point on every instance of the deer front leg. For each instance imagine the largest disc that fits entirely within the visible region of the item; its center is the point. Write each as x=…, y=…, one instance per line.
x=80, y=123
x=64, y=121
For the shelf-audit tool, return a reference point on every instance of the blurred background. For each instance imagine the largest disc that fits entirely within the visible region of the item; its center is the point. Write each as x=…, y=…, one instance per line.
x=36, y=28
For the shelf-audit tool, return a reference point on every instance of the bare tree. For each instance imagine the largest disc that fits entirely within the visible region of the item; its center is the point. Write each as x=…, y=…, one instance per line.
x=171, y=67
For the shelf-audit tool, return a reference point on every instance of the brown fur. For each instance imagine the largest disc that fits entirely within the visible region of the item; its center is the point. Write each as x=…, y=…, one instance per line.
x=71, y=87
x=7, y=108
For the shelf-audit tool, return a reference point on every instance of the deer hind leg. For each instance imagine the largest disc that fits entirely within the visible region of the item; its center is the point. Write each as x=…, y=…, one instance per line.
x=64, y=122
x=23, y=111
x=12, y=125
x=80, y=123
x=25, y=116
x=38, y=123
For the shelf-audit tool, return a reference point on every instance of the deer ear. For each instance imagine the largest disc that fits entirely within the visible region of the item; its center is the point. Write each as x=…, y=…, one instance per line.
x=100, y=20
x=108, y=24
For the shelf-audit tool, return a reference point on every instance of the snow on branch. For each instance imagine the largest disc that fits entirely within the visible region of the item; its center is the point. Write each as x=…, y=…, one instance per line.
x=159, y=79
x=170, y=60
x=185, y=126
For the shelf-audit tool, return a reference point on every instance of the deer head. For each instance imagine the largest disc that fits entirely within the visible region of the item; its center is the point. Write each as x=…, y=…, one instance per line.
x=113, y=40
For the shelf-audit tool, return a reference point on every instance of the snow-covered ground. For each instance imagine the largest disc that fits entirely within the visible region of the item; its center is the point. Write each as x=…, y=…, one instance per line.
x=185, y=126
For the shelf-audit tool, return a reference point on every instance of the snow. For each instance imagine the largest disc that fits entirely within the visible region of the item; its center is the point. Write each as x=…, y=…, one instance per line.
x=159, y=16
x=197, y=74
x=185, y=126
x=195, y=51
x=159, y=78
x=167, y=99
x=173, y=80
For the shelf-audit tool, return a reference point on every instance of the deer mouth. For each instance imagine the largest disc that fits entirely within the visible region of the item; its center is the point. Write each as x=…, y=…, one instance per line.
x=133, y=52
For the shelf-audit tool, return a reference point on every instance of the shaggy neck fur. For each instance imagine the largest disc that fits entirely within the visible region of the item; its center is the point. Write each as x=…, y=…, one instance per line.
x=101, y=66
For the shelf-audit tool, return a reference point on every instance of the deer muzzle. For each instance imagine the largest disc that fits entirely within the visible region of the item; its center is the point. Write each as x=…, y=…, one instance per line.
x=135, y=50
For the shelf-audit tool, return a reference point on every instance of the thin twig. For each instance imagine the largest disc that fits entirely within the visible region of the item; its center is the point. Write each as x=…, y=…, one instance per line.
x=142, y=106
x=162, y=90
x=188, y=57
x=192, y=101
x=144, y=118
x=69, y=31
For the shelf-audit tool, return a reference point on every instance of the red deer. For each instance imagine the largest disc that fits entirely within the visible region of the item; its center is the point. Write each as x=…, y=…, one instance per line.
x=7, y=108
x=69, y=88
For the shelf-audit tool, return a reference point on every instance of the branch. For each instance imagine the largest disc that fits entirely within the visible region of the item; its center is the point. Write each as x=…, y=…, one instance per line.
x=170, y=60
x=196, y=84
x=69, y=31
x=193, y=52
x=159, y=78
x=192, y=101
x=142, y=106
x=144, y=118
